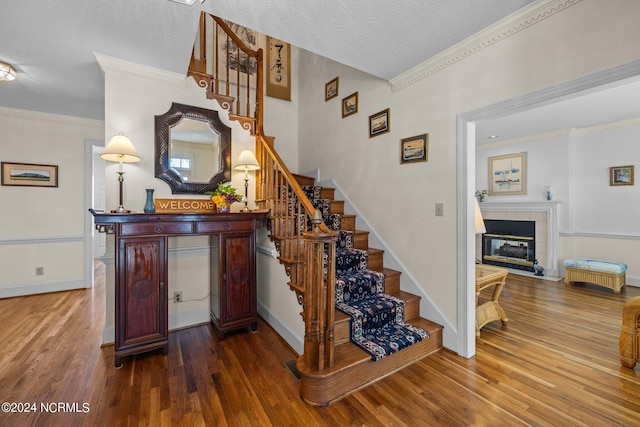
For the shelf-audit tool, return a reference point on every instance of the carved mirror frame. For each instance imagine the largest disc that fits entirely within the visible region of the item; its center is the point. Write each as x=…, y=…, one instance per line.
x=164, y=123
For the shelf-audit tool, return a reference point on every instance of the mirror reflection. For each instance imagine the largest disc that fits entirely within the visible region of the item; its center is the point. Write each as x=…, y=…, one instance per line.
x=193, y=150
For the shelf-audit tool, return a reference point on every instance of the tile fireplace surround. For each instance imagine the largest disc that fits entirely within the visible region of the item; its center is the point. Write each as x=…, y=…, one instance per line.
x=545, y=215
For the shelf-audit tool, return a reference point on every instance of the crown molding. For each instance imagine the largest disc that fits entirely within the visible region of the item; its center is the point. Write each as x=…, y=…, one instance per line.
x=139, y=71
x=608, y=127
x=512, y=24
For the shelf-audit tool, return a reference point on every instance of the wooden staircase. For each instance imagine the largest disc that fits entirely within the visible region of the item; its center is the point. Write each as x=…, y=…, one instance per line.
x=331, y=366
x=353, y=368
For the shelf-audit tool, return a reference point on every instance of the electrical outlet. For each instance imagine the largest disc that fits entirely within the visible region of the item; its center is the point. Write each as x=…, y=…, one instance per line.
x=39, y=271
x=439, y=209
x=177, y=296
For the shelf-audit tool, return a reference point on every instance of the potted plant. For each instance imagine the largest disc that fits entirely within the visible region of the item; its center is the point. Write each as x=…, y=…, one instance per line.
x=223, y=196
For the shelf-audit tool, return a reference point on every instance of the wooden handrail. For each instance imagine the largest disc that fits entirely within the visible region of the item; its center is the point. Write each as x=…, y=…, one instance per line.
x=311, y=273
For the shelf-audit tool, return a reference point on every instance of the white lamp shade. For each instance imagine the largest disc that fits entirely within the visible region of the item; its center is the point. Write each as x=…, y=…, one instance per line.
x=120, y=149
x=7, y=72
x=480, y=228
x=247, y=161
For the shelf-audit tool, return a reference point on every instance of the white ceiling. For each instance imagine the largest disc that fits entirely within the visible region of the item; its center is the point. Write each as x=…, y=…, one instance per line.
x=51, y=44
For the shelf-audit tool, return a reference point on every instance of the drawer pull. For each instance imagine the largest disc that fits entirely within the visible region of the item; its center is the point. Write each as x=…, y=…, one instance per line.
x=158, y=229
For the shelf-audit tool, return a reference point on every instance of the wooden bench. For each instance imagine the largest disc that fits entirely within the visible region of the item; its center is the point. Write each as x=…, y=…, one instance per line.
x=609, y=274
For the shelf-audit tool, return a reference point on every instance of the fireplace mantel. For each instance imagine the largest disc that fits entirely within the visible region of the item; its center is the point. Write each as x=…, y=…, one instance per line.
x=544, y=213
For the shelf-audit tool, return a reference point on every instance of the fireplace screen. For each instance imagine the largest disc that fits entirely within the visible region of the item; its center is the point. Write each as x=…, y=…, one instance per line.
x=516, y=250
x=509, y=244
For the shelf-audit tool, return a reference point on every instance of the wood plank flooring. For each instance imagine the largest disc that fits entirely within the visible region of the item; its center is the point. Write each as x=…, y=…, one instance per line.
x=555, y=364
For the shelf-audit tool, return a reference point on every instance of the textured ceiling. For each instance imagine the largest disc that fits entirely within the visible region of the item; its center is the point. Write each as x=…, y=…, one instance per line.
x=51, y=43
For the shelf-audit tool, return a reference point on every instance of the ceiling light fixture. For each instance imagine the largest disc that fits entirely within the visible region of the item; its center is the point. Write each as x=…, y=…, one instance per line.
x=7, y=72
x=187, y=2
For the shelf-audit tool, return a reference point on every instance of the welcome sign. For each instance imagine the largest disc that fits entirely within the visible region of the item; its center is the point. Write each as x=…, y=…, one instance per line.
x=184, y=205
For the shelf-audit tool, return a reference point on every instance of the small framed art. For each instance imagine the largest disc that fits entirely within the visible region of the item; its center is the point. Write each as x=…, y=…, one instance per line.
x=508, y=174
x=350, y=105
x=29, y=175
x=379, y=123
x=331, y=89
x=414, y=149
x=621, y=175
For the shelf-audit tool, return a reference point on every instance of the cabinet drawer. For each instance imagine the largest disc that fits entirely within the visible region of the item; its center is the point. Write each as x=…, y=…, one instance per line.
x=156, y=228
x=223, y=226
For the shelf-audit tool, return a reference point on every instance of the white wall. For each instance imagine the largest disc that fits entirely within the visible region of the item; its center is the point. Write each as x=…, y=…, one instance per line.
x=584, y=38
x=44, y=227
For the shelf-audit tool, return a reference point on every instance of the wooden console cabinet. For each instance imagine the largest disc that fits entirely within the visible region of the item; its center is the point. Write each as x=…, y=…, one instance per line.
x=141, y=278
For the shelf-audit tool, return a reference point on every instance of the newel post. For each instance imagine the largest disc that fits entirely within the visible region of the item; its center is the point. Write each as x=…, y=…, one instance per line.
x=320, y=297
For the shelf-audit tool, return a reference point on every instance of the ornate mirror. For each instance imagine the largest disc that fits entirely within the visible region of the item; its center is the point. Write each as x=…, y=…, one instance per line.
x=193, y=149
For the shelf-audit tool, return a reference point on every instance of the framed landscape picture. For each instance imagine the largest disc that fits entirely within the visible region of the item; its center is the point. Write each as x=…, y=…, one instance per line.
x=379, y=123
x=508, y=174
x=414, y=149
x=621, y=175
x=29, y=175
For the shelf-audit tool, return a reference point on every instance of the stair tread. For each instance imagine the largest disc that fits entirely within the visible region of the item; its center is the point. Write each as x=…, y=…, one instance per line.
x=349, y=354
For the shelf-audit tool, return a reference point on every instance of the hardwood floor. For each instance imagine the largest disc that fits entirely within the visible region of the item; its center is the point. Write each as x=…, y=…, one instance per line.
x=555, y=364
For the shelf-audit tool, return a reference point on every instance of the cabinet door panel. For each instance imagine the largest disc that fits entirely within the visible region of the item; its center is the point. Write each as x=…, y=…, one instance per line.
x=142, y=316
x=239, y=293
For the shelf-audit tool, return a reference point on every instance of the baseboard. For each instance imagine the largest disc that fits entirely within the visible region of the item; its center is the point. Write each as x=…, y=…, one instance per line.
x=295, y=341
x=176, y=321
x=43, y=288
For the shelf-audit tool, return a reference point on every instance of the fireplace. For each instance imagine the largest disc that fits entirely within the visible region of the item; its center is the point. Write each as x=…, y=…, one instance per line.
x=509, y=243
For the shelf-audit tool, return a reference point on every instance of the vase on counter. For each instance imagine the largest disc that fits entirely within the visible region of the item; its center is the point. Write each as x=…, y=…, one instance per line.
x=149, y=206
x=223, y=208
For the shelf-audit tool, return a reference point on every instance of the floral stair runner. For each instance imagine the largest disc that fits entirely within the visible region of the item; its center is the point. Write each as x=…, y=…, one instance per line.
x=377, y=319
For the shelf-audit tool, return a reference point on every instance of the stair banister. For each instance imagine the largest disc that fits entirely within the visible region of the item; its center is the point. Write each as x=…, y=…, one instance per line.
x=302, y=252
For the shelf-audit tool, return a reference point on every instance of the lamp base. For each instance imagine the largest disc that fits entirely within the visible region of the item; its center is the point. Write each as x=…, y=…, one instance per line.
x=121, y=210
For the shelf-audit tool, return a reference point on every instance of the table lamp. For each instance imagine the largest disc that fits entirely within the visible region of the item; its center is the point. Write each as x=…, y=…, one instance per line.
x=480, y=227
x=120, y=149
x=247, y=162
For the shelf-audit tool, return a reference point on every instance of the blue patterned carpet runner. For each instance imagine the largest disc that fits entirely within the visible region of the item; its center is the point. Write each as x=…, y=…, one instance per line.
x=377, y=319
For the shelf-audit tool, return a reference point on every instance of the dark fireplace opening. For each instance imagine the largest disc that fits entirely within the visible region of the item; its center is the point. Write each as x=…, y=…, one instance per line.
x=509, y=243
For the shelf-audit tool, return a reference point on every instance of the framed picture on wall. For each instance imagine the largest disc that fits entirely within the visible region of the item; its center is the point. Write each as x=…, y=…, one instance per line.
x=379, y=123
x=508, y=174
x=331, y=89
x=621, y=175
x=414, y=149
x=278, y=69
x=29, y=175
x=350, y=105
